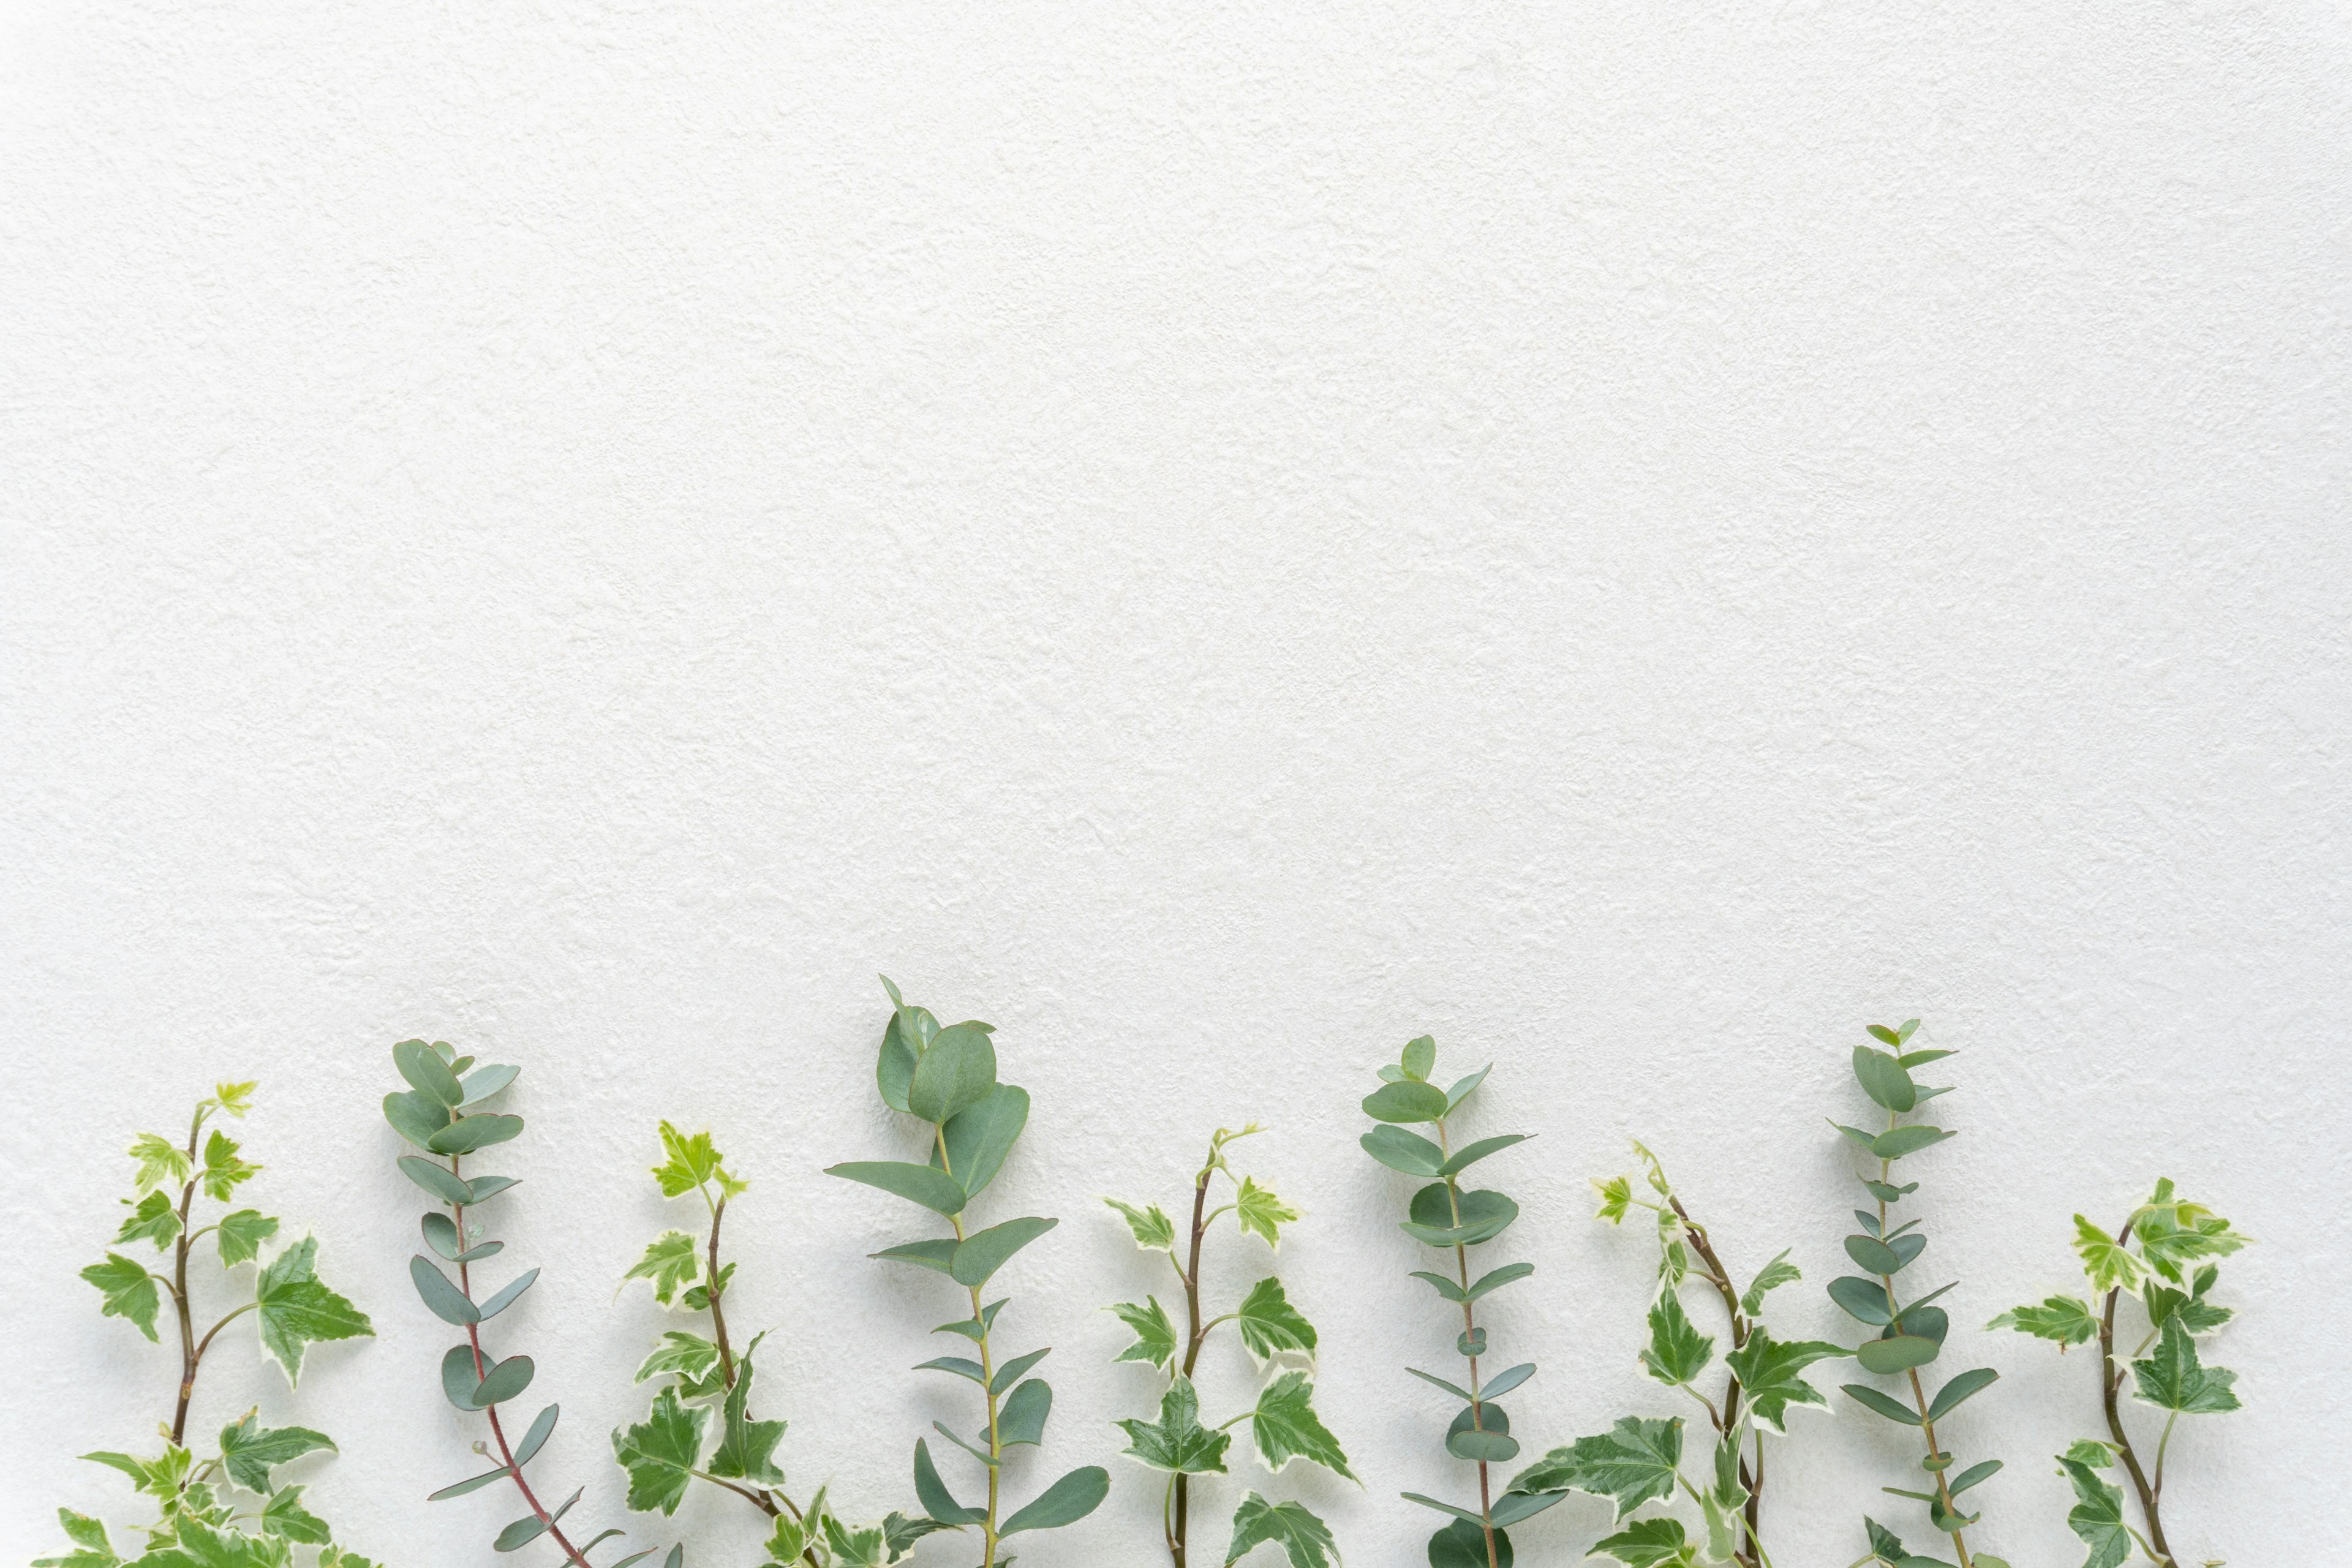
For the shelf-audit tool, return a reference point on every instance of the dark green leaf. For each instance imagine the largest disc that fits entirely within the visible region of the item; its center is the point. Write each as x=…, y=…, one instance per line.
x=1873, y=1255
x=1905, y=1141
x=1066, y=1501
x=933, y=1494
x=1464, y=1086
x=661, y=1452
x=938, y=1253
x=506, y=1298
x=1022, y=1418
x=416, y=1115
x=540, y=1427
x=484, y=1187
x=1883, y=1078
x=1863, y=1395
x=1483, y=1216
x=1463, y=1544
x=1959, y=1389
x=484, y=1082
x=746, y=1450
x=458, y=1377
x=1482, y=1434
x=506, y=1381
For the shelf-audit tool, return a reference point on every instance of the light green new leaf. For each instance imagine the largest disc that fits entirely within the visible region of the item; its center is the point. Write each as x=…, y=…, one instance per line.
x=1633, y=1463
x=240, y=1235
x=223, y=1169
x=1304, y=1538
x=161, y=1163
x=2171, y=1378
x=1271, y=1325
x=1775, y=1274
x=285, y=1517
x=1177, y=1442
x=250, y=1451
x=162, y=1477
x=1648, y=1543
x=687, y=1162
x=689, y=1358
x=1420, y=1058
x=153, y=1219
x=2097, y=1516
x=1769, y=1371
x=747, y=1448
x=1283, y=1426
x=296, y=1310
x=660, y=1453
x=672, y=1264
x=129, y=1289
x=1616, y=1197
x=2062, y=1319
x=1154, y=1231
x=2109, y=1264
x=1261, y=1213
x=93, y=1550
x=1155, y=1336
x=1676, y=1352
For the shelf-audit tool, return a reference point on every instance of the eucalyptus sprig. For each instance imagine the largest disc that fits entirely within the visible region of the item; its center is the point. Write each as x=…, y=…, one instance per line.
x=439, y=1114
x=1639, y=1461
x=200, y=1522
x=946, y=1079
x=2153, y=1258
x=1911, y=1333
x=1280, y=1342
x=1444, y=1216
x=665, y=1454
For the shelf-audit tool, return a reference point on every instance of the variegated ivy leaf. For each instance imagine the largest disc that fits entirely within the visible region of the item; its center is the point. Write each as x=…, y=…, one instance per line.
x=1634, y=1462
x=1177, y=1442
x=849, y=1548
x=161, y=1163
x=2197, y=1314
x=240, y=1235
x=1721, y=1502
x=2173, y=1234
x=198, y=1546
x=747, y=1448
x=152, y=1219
x=1676, y=1352
x=249, y=1451
x=2097, y=1516
x=1673, y=1256
x=223, y=1169
x=91, y=1548
x=2171, y=1378
x=2060, y=1319
x=1616, y=1197
x=1155, y=1336
x=661, y=1452
x=1769, y=1371
x=672, y=1264
x=1154, y=1232
x=1270, y=1325
x=689, y=1163
x=789, y=1538
x=129, y=1289
x=284, y=1516
x=296, y=1310
x=1304, y=1540
x=1261, y=1213
x=690, y=1359
x=1648, y=1543
x=2110, y=1264
x=342, y=1557
x=1285, y=1427
x=236, y=1099
x=697, y=1298
x=1657, y=1172
x=2090, y=1451
x=162, y=1477
x=1774, y=1274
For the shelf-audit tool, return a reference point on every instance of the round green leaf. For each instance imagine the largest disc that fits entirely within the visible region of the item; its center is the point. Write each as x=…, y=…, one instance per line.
x=1401, y=1150
x=444, y=1300
x=436, y=1178
x=507, y=1380
x=1862, y=1298
x=1406, y=1101
x=1884, y=1079
x=1463, y=1544
x=416, y=1115
x=426, y=1072
x=958, y=1070
x=468, y=1133
x=1897, y=1354
x=1870, y=1253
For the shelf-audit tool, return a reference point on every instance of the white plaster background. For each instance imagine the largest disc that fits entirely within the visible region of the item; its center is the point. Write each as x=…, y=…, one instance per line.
x=1637, y=539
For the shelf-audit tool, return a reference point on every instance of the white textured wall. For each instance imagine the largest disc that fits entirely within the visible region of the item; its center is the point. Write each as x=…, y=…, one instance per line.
x=1636, y=538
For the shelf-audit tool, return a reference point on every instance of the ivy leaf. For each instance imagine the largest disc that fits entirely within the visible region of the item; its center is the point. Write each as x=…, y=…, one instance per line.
x=1155, y=1336
x=285, y=1517
x=2061, y=1319
x=296, y=1310
x=2171, y=1378
x=690, y=1161
x=1177, y=1442
x=161, y=1163
x=1154, y=1231
x=2109, y=1264
x=223, y=1169
x=1285, y=1427
x=660, y=1453
x=747, y=1448
x=250, y=1451
x=1304, y=1537
x=153, y=1219
x=1775, y=1274
x=240, y=1235
x=1769, y=1370
x=1270, y=1325
x=128, y=1290
x=2173, y=1234
x=161, y=1478
x=199, y=1547
x=1677, y=1352
x=89, y=1536
x=2197, y=1314
x=689, y=1358
x=1648, y=1543
x=1261, y=1213
x=1633, y=1462
x=670, y=1262
x=1616, y=1197
x=2097, y=1516
x=697, y=1298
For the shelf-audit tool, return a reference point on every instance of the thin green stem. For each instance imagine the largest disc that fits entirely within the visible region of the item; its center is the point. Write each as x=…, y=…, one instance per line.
x=1918, y=1393
x=1469, y=1338
x=987, y=1379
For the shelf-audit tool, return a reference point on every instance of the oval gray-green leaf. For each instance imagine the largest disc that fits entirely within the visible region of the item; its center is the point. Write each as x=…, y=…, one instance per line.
x=981, y=1255
x=1484, y=1448
x=980, y=1136
x=1465, y=1158
x=484, y=1187
x=506, y=1298
x=1406, y=1101
x=894, y=1074
x=484, y=1082
x=1419, y=1056
x=925, y=1185
x=1464, y=1088
x=426, y=1072
x=1899, y=1353
x=1502, y=1383
x=1883, y=1078
x=1401, y=1150
x=1066, y=1501
x=458, y=1379
x=1905, y=1141
x=441, y=1234
x=526, y=1450
x=468, y=1133
x=1869, y=1252
x=507, y=1380
x=1962, y=1387
x=416, y=1115
x=444, y=1300
x=958, y=1070
x=1862, y=1298
x=436, y=1178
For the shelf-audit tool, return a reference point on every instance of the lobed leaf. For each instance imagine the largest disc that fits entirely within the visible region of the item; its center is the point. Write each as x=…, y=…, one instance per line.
x=1306, y=1541
x=1270, y=1325
x=1154, y=1231
x=1284, y=1427
x=1177, y=1442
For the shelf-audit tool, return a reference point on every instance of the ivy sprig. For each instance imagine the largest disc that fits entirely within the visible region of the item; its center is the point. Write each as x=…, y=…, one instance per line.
x=1281, y=1343
x=200, y=1520
x=2163, y=1256
x=1446, y=1216
x=946, y=1079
